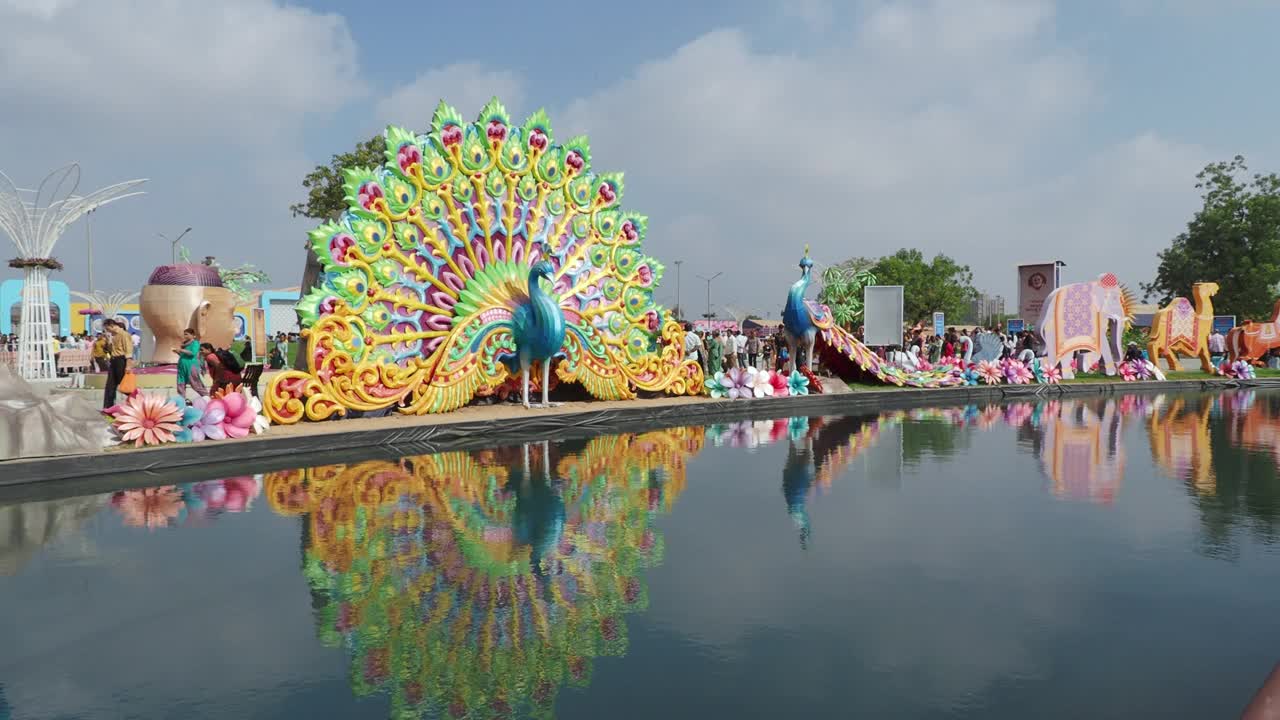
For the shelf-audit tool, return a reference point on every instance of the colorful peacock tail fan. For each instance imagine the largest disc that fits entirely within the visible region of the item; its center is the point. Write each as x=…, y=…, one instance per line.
x=849, y=360
x=437, y=578
x=423, y=272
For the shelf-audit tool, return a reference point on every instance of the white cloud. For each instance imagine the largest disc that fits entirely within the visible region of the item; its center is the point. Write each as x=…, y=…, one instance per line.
x=466, y=86
x=208, y=100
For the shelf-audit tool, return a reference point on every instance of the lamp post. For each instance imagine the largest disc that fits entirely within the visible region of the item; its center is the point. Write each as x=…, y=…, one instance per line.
x=679, y=310
x=88, y=238
x=708, y=280
x=173, y=244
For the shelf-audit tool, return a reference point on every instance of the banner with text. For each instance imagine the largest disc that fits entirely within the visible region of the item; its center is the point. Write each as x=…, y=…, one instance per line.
x=1035, y=282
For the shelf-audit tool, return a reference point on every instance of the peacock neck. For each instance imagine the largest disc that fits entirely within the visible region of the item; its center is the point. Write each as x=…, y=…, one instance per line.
x=800, y=287
x=539, y=299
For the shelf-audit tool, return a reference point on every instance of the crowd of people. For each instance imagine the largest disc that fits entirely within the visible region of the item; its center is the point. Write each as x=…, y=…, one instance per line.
x=728, y=348
x=959, y=344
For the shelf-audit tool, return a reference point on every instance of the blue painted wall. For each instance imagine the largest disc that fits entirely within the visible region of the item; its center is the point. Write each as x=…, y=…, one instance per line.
x=11, y=295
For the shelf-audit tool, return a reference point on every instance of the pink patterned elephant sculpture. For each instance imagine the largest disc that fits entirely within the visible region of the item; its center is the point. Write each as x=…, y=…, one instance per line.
x=1090, y=316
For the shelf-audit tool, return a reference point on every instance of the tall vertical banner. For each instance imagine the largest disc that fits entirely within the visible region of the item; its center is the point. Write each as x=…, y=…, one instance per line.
x=1035, y=282
x=882, y=315
x=939, y=323
x=260, y=331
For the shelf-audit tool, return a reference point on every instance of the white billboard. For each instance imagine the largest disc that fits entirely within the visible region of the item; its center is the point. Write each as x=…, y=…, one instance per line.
x=882, y=315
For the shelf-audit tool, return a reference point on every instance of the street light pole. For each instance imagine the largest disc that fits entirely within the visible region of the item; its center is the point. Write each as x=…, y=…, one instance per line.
x=709, y=315
x=88, y=238
x=679, y=310
x=173, y=244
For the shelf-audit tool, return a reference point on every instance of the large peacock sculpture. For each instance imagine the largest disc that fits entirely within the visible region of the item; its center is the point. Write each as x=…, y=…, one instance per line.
x=809, y=327
x=478, y=252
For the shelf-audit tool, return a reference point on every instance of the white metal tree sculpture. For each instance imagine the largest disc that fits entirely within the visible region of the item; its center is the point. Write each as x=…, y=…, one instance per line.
x=35, y=227
x=108, y=304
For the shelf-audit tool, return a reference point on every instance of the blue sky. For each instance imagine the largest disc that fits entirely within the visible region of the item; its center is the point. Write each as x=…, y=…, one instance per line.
x=994, y=130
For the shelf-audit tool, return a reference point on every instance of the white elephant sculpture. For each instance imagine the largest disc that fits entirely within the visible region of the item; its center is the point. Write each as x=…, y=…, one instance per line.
x=1090, y=316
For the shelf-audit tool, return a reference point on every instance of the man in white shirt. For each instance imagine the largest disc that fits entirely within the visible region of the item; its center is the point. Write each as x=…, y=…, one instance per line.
x=692, y=343
x=1217, y=346
x=740, y=347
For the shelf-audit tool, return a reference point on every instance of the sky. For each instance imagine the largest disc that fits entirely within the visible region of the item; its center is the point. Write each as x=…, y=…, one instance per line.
x=995, y=131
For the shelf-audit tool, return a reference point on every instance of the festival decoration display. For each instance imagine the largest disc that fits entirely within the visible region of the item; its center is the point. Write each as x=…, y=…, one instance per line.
x=1238, y=370
x=743, y=383
x=1180, y=443
x=1182, y=329
x=477, y=584
x=1081, y=450
x=457, y=264
x=151, y=420
x=1077, y=317
x=811, y=326
x=986, y=346
x=186, y=295
x=35, y=226
x=147, y=420
x=1253, y=340
x=190, y=504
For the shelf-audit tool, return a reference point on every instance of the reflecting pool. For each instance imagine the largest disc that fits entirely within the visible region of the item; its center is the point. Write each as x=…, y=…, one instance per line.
x=1100, y=558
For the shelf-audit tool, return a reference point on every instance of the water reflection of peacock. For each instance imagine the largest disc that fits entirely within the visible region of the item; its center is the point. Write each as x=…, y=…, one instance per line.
x=819, y=456
x=480, y=251
x=476, y=584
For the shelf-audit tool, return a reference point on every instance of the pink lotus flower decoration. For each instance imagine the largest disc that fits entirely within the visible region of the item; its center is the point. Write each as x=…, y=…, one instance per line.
x=1128, y=372
x=989, y=371
x=213, y=414
x=779, y=383
x=1053, y=375
x=238, y=421
x=1017, y=373
x=230, y=495
x=736, y=384
x=147, y=420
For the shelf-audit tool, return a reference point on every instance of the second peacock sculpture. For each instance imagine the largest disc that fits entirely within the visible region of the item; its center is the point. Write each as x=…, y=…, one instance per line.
x=479, y=252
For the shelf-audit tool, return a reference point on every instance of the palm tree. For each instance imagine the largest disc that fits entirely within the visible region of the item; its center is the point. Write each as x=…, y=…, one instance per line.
x=842, y=290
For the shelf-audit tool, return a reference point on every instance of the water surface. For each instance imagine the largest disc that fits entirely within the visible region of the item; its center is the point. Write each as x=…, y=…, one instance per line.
x=1067, y=559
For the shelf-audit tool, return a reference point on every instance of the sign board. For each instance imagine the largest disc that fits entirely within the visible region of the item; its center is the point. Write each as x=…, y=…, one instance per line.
x=1035, y=282
x=1223, y=323
x=882, y=315
x=939, y=324
x=1014, y=326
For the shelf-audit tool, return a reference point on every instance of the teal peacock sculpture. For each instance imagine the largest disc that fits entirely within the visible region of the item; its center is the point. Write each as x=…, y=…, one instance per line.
x=538, y=329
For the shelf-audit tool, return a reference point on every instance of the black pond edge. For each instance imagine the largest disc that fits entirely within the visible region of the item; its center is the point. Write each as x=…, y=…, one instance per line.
x=70, y=476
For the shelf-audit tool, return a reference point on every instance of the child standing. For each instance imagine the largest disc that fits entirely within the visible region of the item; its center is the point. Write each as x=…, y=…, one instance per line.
x=189, y=364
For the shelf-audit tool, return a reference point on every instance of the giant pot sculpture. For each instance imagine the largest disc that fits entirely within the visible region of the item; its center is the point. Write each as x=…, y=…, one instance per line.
x=187, y=295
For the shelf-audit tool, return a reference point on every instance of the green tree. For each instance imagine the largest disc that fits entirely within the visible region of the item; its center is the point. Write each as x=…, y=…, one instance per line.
x=940, y=285
x=1234, y=240
x=324, y=184
x=325, y=201
x=842, y=287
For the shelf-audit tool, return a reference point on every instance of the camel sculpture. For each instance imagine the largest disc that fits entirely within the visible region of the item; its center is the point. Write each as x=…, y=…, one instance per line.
x=1180, y=329
x=1253, y=340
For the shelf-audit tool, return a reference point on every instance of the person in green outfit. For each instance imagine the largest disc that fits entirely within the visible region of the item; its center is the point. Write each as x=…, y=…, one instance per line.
x=189, y=364
x=715, y=353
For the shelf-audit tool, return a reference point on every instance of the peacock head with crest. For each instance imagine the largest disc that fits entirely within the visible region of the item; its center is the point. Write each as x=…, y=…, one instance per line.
x=806, y=265
x=543, y=267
